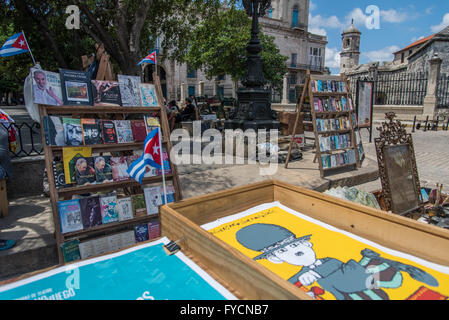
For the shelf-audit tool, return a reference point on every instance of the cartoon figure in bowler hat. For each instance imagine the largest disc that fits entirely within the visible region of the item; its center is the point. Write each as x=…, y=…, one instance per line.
x=346, y=281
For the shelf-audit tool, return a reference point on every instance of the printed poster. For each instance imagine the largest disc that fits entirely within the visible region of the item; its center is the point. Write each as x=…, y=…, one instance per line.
x=145, y=272
x=327, y=263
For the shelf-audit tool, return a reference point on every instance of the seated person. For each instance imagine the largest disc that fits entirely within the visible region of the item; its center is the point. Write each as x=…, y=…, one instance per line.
x=188, y=113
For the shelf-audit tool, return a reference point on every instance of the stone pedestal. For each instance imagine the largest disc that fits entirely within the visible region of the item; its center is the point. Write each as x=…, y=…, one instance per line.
x=285, y=91
x=430, y=101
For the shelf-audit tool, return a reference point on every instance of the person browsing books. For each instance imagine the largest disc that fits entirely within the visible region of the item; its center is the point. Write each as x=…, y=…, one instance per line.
x=42, y=94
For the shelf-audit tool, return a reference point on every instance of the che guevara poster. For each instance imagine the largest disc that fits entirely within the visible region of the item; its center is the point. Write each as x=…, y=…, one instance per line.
x=144, y=272
x=327, y=263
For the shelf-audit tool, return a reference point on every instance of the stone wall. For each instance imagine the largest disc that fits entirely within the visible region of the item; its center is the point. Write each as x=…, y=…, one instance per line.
x=420, y=61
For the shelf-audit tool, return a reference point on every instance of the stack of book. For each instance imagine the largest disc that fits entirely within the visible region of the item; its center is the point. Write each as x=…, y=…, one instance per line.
x=334, y=124
x=328, y=86
x=335, y=142
x=92, y=211
x=332, y=104
x=62, y=131
x=330, y=161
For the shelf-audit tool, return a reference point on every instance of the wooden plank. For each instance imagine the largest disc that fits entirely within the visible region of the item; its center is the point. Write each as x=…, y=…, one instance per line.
x=3, y=199
x=109, y=186
x=228, y=263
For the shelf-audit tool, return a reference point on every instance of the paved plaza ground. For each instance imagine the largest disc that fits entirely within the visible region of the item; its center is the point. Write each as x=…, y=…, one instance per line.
x=30, y=220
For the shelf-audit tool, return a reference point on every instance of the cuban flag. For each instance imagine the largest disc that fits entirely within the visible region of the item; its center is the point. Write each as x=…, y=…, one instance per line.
x=17, y=44
x=152, y=154
x=151, y=58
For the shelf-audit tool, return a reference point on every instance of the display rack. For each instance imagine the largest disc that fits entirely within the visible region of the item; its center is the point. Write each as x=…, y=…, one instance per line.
x=336, y=115
x=119, y=113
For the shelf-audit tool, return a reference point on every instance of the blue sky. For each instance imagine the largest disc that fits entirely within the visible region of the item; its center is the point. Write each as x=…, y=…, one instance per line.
x=401, y=23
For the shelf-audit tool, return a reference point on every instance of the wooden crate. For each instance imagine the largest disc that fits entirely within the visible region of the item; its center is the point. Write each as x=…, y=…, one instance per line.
x=236, y=271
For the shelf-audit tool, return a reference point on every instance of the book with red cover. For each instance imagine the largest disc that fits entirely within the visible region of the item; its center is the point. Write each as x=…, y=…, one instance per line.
x=424, y=293
x=139, y=130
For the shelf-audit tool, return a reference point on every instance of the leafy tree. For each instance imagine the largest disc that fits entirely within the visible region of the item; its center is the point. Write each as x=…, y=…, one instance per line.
x=218, y=47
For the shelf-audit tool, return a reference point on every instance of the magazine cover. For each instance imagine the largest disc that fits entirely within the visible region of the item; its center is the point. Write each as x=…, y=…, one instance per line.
x=139, y=130
x=69, y=156
x=85, y=171
x=109, y=212
x=124, y=131
x=141, y=232
x=91, y=212
x=103, y=169
x=139, y=206
x=152, y=274
x=58, y=173
x=76, y=88
x=106, y=93
x=153, y=229
x=70, y=250
x=129, y=90
x=119, y=167
x=170, y=194
x=153, y=199
x=151, y=123
x=46, y=87
x=54, y=131
x=70, y=216
x=73, y=132
x=148, y=95
x=108, y=131
x=91, y=131
x=328, y=263
x=125, y=209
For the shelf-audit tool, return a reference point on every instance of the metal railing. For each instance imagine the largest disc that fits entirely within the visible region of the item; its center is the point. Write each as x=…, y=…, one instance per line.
x=401, y=88
x=29, y=140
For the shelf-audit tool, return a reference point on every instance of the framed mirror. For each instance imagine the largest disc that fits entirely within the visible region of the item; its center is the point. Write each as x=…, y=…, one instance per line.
x=397, y=168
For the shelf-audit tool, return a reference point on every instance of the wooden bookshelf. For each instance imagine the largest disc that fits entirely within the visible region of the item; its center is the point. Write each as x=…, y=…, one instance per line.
x=315, y=114
x=60, y=194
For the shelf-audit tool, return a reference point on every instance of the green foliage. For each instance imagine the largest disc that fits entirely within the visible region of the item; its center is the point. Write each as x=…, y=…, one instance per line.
x=218, y=47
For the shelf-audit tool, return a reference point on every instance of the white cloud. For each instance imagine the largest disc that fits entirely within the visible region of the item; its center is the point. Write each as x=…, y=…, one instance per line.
x=312, y=6
x=429, y=10
x=332, y=58
x=393, y=16
x=414, y=39
x=442, y=25
x=385, y=54
x=322, y=22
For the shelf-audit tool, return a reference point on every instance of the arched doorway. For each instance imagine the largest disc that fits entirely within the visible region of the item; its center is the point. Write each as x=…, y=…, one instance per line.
x=148, y=76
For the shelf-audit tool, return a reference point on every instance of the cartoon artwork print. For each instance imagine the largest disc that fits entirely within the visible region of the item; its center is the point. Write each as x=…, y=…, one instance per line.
x=329, y=264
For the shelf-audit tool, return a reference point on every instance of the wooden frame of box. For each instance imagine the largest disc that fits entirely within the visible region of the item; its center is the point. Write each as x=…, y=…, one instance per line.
x=247, y=278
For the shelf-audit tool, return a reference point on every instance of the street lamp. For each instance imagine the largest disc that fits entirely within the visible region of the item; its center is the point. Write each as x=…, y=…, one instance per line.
x=254, y=100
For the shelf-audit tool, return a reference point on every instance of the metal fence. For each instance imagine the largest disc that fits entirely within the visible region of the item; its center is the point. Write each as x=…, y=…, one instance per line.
x=443, y=91
x=29, y=141
x=401, y=88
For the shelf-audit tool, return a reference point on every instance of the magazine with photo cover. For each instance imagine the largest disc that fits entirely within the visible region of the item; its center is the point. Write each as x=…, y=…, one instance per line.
x=151, y=123
x=69, y=156
x=84, y=171
x=124, y=131
x=91, y=212
x=119, y=167
x=70, y=216
x=73, y=132
x=131, y=159
x=139, y=130
x=106, y=93
x=141, y=233
x=125, y=209
x=153, y=199
x=46, y=87
x=148, y=95
x=54, y=131
x=108, y=131
x=103, y=169
x=91, y=131
x=76, y=88
x=139, y=206
x=109, y=211
x=129, y=90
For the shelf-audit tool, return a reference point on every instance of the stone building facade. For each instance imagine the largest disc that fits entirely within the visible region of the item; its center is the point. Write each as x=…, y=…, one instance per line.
x=287, y=21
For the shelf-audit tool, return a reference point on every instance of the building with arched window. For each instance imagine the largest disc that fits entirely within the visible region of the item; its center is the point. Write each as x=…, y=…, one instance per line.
x=287, y=21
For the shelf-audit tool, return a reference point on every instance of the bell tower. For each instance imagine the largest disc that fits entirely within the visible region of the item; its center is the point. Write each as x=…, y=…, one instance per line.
x=350, y=53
